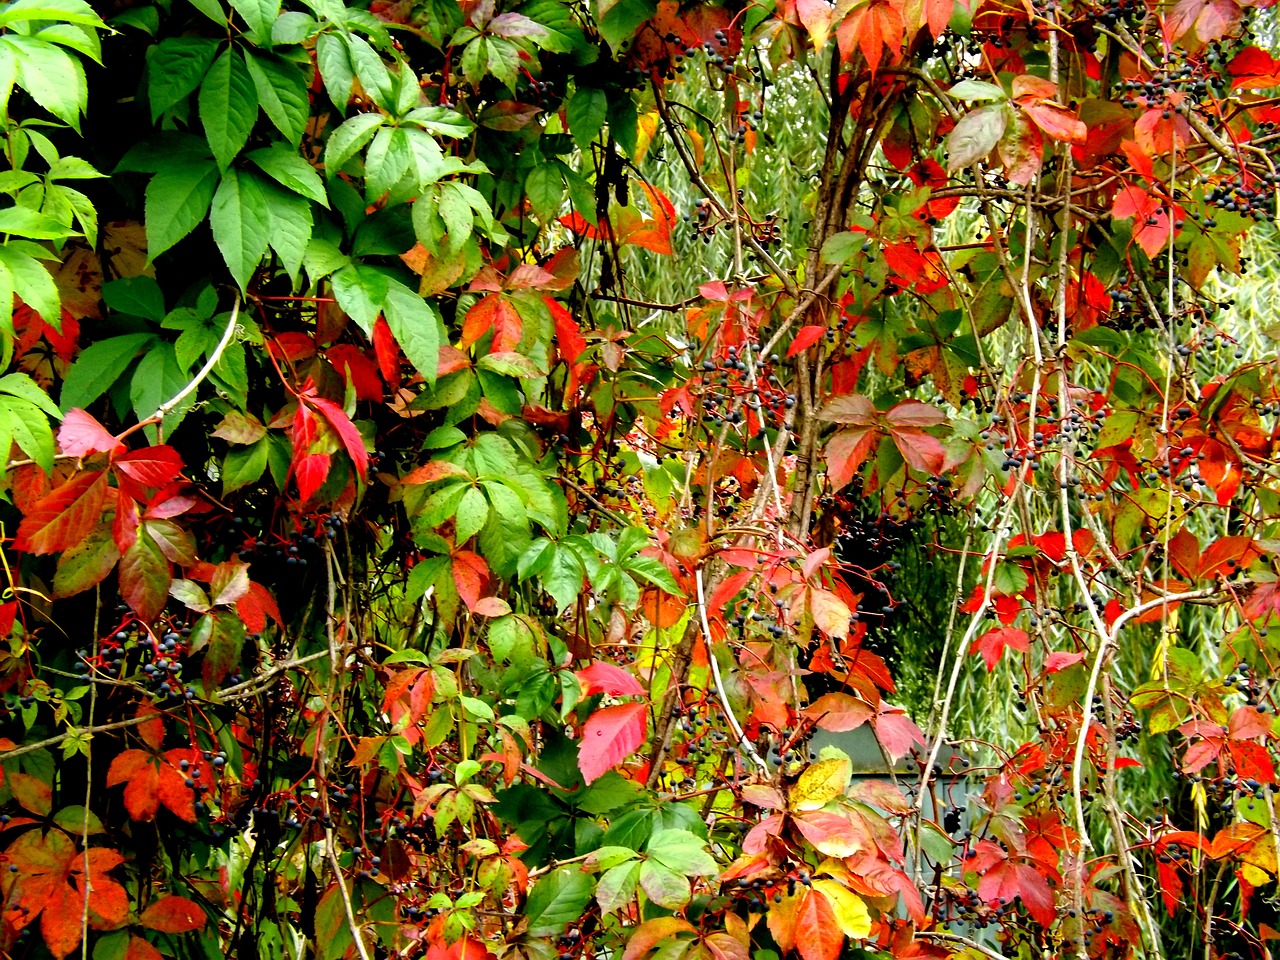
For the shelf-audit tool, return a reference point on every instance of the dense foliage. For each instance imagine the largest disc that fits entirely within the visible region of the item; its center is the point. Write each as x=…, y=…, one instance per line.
x=475, y=471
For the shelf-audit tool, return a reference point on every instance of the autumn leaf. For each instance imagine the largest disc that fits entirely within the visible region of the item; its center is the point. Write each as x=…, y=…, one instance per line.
x=150, y=781
x=601, y=677
x=992, y=644
x=50, y=880
x=818, y=934
x=839, y=712
x=821, y=783
x=81, y=436
x=173, y=914
x=64, y=517
x=609, y=736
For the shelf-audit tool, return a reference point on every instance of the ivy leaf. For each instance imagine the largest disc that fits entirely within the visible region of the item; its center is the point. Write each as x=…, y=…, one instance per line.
x=992, y=644
x=282, y=93
x=617, y=887
x=291, y=171
x=821, y=783
x=172, y=914
x=259, y=16
x=683, y=852
x=99, y=366
x=817, y=932
x=975, y=135
x=417, y=327
x=64, y=517
x=86, y=563
x=52, y=77
x=175, y=67
x=609, y=736
x=150, y=781
x=556, y=901
x=241, y=222
x=228, y=106
x=586, y=112
x=177, y=200
x=144, y=576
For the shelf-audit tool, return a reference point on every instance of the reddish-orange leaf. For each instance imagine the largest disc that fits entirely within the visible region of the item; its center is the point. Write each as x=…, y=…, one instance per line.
x=818, y=934
x=64, y=517
x=806, y=337
x=495, y=312
x=140, y=774
x=992, y=644
x=151, y=466
x=839, y=712
x=471, y=576
x=609, y=736
x=311, y=472
x=173, y=915
x=139, y=949
x=255, y=606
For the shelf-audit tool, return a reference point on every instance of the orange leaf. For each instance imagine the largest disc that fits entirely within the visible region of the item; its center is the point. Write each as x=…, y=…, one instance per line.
x=139, y=949
x=173, y=915
x=818, y=935
x=64, y=517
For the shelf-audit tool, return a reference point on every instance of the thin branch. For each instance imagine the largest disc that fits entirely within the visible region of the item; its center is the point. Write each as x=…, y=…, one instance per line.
x=746, y=744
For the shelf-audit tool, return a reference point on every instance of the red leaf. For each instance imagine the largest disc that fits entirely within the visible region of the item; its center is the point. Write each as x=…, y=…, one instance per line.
x=81, y=435
x=311, y=472
x=140, y=774
x=352, y=442
x=609, y=736
x=64, y=517
x=896, y=732
x=471, y=576
x=151, y=466
x=992, y=644
x=255, y=606
x=921, y=450
x=1058, y=122
x=603, y=677
x=1057, y=662
x=387, y=351
x=847, y=451
x=839, y=712
x=570, y=343
x=357, y=369
x=806, y=337
x=173, y=915
x=818, y=934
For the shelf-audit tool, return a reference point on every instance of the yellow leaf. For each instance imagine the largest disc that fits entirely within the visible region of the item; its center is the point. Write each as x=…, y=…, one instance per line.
x=851, y=913
x=821, y=783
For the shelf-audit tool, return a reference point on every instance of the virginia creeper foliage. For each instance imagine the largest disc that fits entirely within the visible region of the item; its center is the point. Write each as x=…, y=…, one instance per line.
x=453, y=510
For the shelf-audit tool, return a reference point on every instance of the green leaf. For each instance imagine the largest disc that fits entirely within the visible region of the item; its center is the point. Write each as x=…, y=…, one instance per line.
x=586, y=112
x=841, y=247
x=440, y=121
x=372, y=72
x=682, y=852
x=624, y=123
x=334, y=64
x=417, y=327
x=21, y=385
x=52, y=77
x=67, y=11
x=34, y=284
x=175, y=67
x=361, y=291
x=386, y=162
x=213, y=10
x=243, y=466
x=290, y=170
x=99, y=366
x=457, y=214
x=977, y=91
x=346, y=141
x=557, y=900
x=545, y=189
x=228, y=106
x=471, y=515
x=652, y=571
x=259, y=16
x=241, y=223
x=178, y=198
x=25, y=222
x=136, y=297
x=157, y=378
x=30, y=430
x=617, y=887
x=975, y=135
x=87, y=563
x=562, y=577
x=621, y=20
x=282, y=92
x=289, y=225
